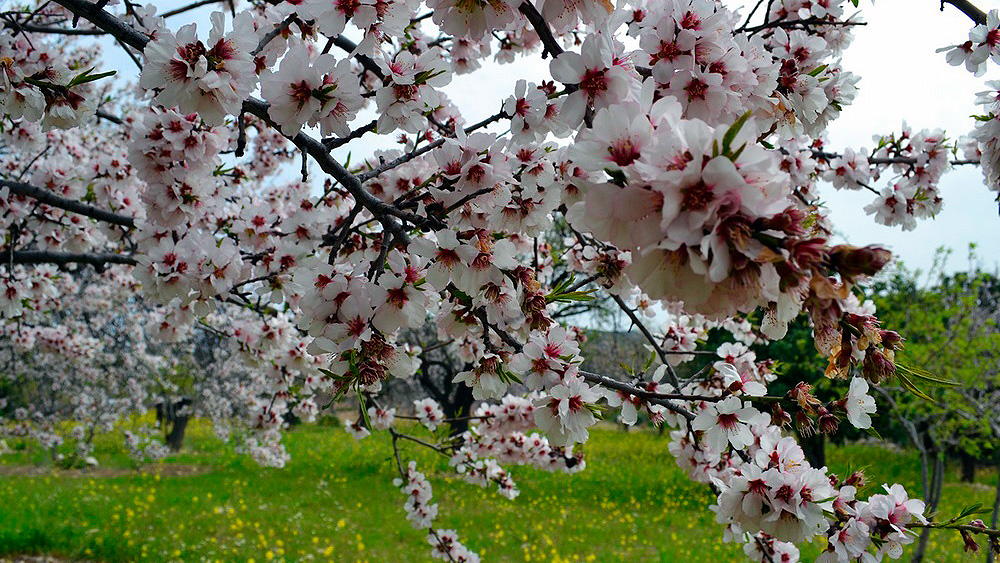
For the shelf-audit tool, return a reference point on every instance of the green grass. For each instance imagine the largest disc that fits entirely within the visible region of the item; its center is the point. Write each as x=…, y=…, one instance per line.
x=335, y=502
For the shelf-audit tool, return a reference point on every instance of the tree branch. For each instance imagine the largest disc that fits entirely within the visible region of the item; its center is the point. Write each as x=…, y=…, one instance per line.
x=552, y=46
x=366, y=61
x=50, y=30
x=109, y=23
x=828, y=156
x=365, y=176
x=72, y=205
x=385, y=213
x=63, y=258
x=798, y=22
x=649, y=338
x=967, y=8
x=606, y=381
x=191, y=6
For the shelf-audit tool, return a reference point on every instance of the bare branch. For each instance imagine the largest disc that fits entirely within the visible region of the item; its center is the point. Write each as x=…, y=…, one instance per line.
x=552, y=46
x=804, y=23
x=101, y=114
x=967, y=8
x=190, y=7
x=649, y=338
x=50, y=30
x=828, y=156
x=72, y=205
x=63, y=258
x=606, y=381
x=366, y=61
x=365, y=176
x=335, y=142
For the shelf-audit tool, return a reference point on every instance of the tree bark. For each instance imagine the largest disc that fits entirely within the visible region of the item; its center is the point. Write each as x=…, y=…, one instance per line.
x=459, y=407
x=815, y=449
x=173, y=422
x=932, y=498
x=995, y=518
x=968, y=467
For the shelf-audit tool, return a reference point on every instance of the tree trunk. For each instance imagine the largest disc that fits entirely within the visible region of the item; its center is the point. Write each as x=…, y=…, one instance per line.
x=459, y=407
x=815, y=449
x=995, y=518
x=176, y=436
x=968, y=467
x=173, y=418
x=932, y=498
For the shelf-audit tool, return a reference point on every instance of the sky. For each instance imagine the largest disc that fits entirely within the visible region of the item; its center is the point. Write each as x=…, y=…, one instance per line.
x=902, y=79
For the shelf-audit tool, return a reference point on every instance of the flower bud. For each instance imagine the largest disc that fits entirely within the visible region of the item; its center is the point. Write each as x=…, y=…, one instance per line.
x=780, y=417
x=804, y=424
x=828, y=423
x=877, y=366
x=852, y=261
x=970, y=543
x=856, y=479
x=802, y=394
x=809, y=253
x=788, y=221
x=370, y=372
x=891, y=339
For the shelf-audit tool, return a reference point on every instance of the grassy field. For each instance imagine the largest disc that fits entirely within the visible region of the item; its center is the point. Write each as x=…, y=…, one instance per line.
x=334, y=502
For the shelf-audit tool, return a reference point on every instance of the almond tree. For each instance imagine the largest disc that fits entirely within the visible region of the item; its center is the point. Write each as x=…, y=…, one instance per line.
x=681, y=141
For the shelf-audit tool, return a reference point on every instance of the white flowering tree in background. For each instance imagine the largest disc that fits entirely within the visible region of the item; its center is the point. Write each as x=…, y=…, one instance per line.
x=677, y=146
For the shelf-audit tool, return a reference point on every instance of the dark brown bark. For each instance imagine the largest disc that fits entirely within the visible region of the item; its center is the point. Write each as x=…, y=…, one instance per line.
x=968, y=464
x=815, y=449
x=173, y=418
x=50, y=198
x=995, y=517
x=933, y=463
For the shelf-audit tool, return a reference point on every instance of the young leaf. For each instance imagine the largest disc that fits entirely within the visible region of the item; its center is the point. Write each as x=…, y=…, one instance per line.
x=734, y=129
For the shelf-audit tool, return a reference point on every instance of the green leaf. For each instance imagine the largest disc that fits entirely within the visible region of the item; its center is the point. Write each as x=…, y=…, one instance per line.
x=736, y=155
x=617, y=176
x=649, y=361
x=909, y=386
x=873, y=433
x=925, y=375
x=364, y=411
x=571, y=296
x=86, y=76
x=817, y=70
x=734, y=129
x=972, y=509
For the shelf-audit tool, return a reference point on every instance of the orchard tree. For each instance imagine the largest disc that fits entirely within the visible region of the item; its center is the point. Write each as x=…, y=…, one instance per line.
x=953, y=326
x=680, y=142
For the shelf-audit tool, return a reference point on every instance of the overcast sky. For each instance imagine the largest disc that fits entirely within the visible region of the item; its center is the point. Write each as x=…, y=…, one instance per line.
x=902, y=78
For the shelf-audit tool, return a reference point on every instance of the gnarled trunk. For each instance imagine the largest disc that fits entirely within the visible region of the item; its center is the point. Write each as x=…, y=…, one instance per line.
x=173, y=418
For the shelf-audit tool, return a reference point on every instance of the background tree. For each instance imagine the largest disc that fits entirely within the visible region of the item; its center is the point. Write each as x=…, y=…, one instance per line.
x=952, y=323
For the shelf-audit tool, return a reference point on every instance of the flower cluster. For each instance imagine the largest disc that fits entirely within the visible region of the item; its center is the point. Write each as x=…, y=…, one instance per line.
x=210, y=78
x=983, y=45
x=672, y=161
x=318, y=92
x=421, y=513
x=985, y=138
